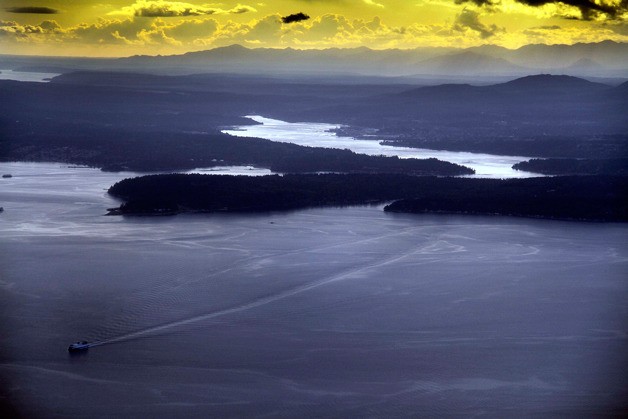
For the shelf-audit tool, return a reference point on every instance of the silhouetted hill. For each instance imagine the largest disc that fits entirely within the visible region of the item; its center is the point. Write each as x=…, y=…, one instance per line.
x=515, y=94
x=622, y=89
x=547, y=84
x=530, y=86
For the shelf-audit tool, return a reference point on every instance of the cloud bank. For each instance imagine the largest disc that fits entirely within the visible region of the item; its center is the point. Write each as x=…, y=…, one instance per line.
x=166, y=9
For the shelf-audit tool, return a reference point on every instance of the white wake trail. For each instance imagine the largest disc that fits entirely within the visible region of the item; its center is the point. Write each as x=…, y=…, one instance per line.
x=253, y=304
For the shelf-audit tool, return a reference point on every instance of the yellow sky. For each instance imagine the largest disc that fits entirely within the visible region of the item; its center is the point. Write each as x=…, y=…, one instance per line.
x=127, y=27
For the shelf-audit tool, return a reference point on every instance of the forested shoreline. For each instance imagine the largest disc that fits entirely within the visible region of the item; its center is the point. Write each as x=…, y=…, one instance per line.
x=134, y=150
x=590, y=198
x=614, y=166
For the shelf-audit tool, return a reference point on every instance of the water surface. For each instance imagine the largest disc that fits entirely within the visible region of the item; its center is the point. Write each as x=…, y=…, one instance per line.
x=349, y=312
x=26, y=76
x=322, y=135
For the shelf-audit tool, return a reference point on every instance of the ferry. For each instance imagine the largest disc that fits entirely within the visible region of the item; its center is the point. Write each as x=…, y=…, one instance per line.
x=79, y=346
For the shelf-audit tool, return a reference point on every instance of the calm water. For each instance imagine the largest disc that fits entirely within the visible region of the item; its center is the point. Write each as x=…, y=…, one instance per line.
x=320, y=135
x=349, y=312
x=26, y=76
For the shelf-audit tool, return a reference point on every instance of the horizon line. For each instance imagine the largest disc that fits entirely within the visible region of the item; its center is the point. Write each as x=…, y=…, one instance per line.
x=606, y=41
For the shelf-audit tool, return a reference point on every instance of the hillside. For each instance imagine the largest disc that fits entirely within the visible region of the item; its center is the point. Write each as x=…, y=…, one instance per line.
x=536, y=116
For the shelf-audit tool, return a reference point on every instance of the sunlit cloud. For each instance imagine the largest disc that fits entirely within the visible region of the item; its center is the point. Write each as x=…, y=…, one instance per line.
x=373, y=3
x=240, y=8
x=163, y=8
x=131, y=34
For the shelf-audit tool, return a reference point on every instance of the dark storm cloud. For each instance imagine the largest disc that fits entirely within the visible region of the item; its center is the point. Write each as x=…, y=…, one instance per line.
x=589, y=9
x=296, y=17
x=33, y=10
x=468, y=19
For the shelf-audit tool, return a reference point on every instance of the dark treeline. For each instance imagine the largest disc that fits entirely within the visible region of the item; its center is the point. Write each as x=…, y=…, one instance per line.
x=600, y=198
x=600, y=147
x=117, y=150
x=179, y=192
x=617, y=166
x=594, y=198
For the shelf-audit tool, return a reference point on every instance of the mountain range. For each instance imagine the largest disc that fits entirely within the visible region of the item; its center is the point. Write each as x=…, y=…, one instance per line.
x=607, y=59
x=604, y=59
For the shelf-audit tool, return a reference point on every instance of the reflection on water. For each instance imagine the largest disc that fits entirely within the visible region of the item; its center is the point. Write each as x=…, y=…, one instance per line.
x=26, y=76
x=320, y=135
x=323, y=312
x=68, y=191
x=232, y=170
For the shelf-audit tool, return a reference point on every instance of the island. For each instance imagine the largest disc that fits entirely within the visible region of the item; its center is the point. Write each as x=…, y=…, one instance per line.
x=586, y=198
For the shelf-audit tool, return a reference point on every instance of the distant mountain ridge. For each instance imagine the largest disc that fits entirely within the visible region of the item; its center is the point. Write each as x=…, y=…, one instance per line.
x=469, y=63
x=606, y=59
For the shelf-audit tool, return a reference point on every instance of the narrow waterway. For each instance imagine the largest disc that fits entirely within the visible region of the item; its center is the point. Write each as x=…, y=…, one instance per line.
x=322, y=135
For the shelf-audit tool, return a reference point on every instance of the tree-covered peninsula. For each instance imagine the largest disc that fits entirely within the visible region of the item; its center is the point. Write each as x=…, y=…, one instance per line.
x=615, y=166
x=594, y=198
x=134, y=150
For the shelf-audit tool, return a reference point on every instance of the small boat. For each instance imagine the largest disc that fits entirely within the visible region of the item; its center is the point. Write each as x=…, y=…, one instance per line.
x=79, y=346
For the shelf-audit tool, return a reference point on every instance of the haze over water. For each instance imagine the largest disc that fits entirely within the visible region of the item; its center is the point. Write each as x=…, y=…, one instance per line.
x=343, y=311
